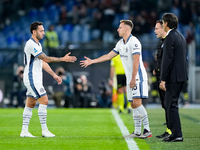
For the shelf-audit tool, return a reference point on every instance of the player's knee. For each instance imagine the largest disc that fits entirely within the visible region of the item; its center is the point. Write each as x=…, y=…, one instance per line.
x=133, y=105
x=43, y=100
x=31, y=105
x=136, y=103
x=30, y=102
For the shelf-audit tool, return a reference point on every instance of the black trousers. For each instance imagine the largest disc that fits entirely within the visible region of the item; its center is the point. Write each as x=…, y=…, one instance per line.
x=171, y=103
x=162, y=98
x=161, y=92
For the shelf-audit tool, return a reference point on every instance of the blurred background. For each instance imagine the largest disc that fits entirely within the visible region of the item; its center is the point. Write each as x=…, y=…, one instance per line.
x=89, y=28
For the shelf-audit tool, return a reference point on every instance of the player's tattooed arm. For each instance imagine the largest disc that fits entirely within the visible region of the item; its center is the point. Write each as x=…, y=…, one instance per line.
x=49, y=59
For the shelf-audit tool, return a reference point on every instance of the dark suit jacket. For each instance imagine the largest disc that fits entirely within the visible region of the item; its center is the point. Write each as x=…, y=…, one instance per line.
x=174, y=59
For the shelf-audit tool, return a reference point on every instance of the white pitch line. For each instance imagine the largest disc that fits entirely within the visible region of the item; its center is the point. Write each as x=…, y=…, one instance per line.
x=131, y=143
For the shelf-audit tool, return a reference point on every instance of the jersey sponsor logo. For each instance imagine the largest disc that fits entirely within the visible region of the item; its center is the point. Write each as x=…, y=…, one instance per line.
x=35, y=50
x=123, y=56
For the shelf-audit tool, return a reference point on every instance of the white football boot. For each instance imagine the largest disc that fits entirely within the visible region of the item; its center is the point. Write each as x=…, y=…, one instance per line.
x=132, y=135
x=146, y=134
x=47, y=133
x=26, y=134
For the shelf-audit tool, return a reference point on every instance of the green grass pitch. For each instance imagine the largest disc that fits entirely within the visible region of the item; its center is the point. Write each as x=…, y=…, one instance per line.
x=93, y=129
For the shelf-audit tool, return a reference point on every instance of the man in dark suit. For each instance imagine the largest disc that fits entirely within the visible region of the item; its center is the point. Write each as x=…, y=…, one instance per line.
x=173, y=73
x=161, y=34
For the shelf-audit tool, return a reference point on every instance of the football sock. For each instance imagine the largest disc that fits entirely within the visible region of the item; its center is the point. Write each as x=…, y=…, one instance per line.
x=27, y=114
x=143, y=113
x=137, y=121
x=42, y=113
x=168, y=131
x=121, y=101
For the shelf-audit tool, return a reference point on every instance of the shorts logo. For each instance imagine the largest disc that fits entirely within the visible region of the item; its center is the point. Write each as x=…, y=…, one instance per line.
x=135, y=88
x=136, y=45
x=41, y=90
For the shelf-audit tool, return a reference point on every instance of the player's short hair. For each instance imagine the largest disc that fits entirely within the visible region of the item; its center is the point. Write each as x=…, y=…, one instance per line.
x=127, y=22
x=160, y=21
x=34, y=26
x=171, y=19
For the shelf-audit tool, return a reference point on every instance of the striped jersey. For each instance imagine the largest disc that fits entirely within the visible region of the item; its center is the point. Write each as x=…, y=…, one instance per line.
x=126, y=52
x=33, y=65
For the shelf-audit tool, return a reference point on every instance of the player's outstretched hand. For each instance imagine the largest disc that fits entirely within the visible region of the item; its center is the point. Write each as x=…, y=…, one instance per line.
x=68, y=58
x=85, y=63
x=58, y=79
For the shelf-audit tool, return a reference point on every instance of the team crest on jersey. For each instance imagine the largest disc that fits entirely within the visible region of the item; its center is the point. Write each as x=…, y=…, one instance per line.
x=35, y=50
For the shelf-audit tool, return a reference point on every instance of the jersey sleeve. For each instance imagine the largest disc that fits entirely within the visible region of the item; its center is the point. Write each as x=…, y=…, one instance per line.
x=136, y=47
x=34, y=50
x=116, y=49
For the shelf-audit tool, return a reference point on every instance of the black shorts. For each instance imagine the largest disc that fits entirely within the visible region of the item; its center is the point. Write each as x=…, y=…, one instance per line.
x=121, y=80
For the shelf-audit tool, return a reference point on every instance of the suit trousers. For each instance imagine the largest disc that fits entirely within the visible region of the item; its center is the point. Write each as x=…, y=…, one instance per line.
x=162, y=98
x=171, y=103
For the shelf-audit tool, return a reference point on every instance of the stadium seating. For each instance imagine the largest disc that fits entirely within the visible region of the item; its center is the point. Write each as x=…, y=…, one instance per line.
x=18, y=31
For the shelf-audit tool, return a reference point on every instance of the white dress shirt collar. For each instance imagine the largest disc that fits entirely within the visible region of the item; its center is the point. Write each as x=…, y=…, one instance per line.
x=168, y=31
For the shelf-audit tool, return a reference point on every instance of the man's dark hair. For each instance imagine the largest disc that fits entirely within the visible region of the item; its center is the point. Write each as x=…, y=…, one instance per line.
x=159, y=21
x=127, y=22
x=171, y=19
x=34, y=26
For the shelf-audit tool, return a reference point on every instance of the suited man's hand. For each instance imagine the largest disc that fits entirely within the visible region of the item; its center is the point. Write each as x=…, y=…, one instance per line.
x=162, y=85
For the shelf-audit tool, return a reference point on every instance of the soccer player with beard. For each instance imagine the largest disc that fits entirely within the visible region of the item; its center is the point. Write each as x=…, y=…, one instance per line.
x=35, y=60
